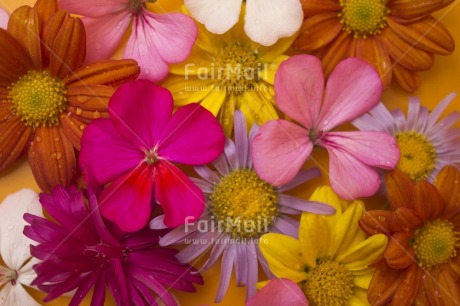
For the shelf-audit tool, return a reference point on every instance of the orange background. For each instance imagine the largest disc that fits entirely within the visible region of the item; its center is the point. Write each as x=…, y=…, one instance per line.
x=443, y=78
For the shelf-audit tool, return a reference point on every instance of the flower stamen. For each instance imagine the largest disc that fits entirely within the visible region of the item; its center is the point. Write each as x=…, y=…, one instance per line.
x=363, y=17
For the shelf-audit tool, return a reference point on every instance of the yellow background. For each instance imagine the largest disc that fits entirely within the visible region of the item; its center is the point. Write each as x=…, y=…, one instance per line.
x=443, y=78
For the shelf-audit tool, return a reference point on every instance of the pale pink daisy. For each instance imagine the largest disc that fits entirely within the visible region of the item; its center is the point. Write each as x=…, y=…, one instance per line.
x=281, y=147
x=156, y=39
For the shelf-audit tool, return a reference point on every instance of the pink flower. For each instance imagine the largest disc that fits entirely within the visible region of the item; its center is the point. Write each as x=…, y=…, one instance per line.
x=277, y=292
x=134, y=149
x=156, y=39
x=281, y=148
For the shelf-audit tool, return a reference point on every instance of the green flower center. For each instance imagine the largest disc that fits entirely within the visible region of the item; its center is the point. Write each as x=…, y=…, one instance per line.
x=418, y=155
x=243, y=204
x=8, y=275
x=38, y=99
x=363, y=17
x=236, y=68
x=329, y=283
x=435, y=243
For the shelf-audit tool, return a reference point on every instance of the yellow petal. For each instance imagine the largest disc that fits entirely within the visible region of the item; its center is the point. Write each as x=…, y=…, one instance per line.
x=260, y=103
x=269, y=69
x=363, y=281
x=214, y=100
x=312, y=227
x=347, y=232
x=359, y=298
x=197, y=63
x=364, y=253
x=189, y=90
x=326, y=195
x=260, y=285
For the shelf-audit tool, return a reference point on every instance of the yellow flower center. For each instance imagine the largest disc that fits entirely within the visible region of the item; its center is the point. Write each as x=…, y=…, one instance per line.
x=418, y=155
x=435, y=243
x=243, y=204
x=38, y=99
x=363, y=17
x=329, y=283
x=237, y=69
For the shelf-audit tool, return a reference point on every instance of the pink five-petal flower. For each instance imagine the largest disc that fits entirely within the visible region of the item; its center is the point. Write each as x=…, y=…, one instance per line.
x=280, y=148
x=134, y=151
x=156, y=39
x=278, y=292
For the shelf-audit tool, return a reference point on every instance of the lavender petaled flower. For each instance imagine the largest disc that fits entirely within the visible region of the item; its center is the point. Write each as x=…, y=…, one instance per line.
x=240, y=207
x=79, y=252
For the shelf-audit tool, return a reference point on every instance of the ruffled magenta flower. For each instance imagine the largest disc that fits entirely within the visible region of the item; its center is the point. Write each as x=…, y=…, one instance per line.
x=156, y=39
x=281, y=147
x=240, y=208
x=134, y=151
x=80, y=252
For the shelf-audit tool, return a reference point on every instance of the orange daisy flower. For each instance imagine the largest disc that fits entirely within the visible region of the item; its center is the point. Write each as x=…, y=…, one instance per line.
x=397, y=37
x=47, y=95
x=421, y=263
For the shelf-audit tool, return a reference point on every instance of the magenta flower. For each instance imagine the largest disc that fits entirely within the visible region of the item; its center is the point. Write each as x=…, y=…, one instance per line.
x=156, y=39
x=134, y=149
x=279, y=291
x=80, y=252
x=281, y=148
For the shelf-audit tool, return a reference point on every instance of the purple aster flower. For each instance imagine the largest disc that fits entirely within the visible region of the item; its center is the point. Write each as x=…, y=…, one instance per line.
x=426, y=143
x=79, y=252
x=240, y=208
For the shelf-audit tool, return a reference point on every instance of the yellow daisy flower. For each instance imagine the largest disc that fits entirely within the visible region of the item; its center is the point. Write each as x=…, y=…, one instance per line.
x=330, y=259
x=228, y=72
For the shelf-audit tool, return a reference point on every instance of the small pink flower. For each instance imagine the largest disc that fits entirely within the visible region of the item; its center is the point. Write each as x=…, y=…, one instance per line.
x=134, y=149
x=281, y=147
x=156, y=39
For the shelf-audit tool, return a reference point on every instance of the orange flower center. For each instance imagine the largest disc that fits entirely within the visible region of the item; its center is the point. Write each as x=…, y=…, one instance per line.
x=244, y=204
x=329, y=283
x=38, y=99
x=363, y=17
x=435, y=243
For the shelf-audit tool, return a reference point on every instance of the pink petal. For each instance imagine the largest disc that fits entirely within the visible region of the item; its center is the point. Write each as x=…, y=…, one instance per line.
x=279, y=150
x=374, y=148
x=104, y=155
x=105, y=34
x=181, y=200
x=353, y=88
x=94, y=8
x=127, y=202
x=279, y=291
x=140, y=111
x=4, y=17
x=193, y=136
x=299, y=84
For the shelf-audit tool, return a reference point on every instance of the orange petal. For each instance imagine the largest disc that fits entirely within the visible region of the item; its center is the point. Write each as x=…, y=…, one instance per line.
x=313, y=7
x=408, y=80
x=384, y=284
x=13, y=140
x=399, y=189
x=335, y=52
x=15, y=60
x=73, y=128
x=108, y=72
x=404, y=54
x=65, y=37
x=427, y=201
x=429, y=35
x=376, y=222
x=89, y=99
x=52, y=158
x=409, y=288
x=405, y=219
x=447, y=183
x=45, y=9
x=399, y=254
x=24, y=25
x=449, y=288
x=317, y=31
x=410, y=9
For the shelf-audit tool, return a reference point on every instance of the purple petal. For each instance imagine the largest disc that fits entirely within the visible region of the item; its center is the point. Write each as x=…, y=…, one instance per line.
x=241, y=138
x=287, y=226
x=225, y=272
x=207, y=174
x=304, y=205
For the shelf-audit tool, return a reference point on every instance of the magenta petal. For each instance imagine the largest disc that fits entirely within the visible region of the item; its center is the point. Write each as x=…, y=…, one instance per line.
x=140, y=110
x=127, y=202
x=280, y=291
x=193, y=136
x=279, y=150
x=299, y=84
x=181, y=200
x=353, y=88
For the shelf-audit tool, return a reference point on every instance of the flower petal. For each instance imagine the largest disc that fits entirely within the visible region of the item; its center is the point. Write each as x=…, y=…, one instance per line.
x=364, y=253
x=408, y=9
x=11, y=295
x=407, y=79
x=299, y=94
x=314, y=7
x=427, y=201
x=279, y=150
x=281, y=291
x=14, y=140
x=15, y=60
x=400, y=190
x=93, y=8
x=353, y=88
x=318, y=31
x=4, y=16
x=14, y=246
x=46, y=9
x=311, y=248
x=399, y=254
x=266, y=21
x=181, y=200
x=384, y=284
x=193, y=136
x=376, y=221
x=447, y=184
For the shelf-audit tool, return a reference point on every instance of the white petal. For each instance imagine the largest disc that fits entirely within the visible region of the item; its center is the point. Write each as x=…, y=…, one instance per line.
x=218, y=16
x=266, y=21
x=27, y=274
x=14, y=246
x=4, y=16
x=16, y=295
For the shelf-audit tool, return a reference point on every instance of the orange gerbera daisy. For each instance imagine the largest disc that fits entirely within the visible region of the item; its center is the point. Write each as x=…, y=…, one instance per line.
x=397, y=37
x=47, y=96
x=422, y=260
